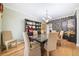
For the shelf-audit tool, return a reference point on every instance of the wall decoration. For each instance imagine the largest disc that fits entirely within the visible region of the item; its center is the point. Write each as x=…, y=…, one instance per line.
x=1, y=7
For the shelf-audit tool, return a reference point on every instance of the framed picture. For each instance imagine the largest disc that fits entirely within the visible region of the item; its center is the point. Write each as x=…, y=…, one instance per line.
x=64, y=26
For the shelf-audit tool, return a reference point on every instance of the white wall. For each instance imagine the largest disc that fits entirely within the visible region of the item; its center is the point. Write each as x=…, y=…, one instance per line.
x=77, y=27
x=14, y=21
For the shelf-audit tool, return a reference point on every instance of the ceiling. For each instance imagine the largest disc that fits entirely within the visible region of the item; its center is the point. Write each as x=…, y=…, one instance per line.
x=55, y=10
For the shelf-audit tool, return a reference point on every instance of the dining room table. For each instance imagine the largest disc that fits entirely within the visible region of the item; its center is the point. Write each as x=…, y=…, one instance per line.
x=42, y=39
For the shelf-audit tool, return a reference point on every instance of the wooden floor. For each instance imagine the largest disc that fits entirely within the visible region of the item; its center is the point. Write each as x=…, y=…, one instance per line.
x=67, y=49
x=16, y=51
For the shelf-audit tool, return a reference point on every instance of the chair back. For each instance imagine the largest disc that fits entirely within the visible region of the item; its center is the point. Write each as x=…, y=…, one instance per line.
x=61, y=34
x=35, y=34
x=52, y=41
x=44, y=35
x=6, y=35
x=26, y=44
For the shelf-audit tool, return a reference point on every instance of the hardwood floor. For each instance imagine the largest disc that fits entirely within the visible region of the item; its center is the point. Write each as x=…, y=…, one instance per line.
x=67, y=49
x=16, y=51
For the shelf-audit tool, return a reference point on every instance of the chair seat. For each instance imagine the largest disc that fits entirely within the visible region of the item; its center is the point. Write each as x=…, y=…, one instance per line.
x=8, y=41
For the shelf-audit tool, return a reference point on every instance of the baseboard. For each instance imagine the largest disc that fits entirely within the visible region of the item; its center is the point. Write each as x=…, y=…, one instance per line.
x=77, y=45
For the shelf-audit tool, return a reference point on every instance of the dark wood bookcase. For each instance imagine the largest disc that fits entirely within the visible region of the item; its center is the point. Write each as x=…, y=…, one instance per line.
x=36, y=25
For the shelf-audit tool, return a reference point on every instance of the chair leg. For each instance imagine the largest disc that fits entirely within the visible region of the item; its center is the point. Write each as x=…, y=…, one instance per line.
x=61, y=43
x=16, y=43
x=7, y=47
x=52, y=53
x=47, y=53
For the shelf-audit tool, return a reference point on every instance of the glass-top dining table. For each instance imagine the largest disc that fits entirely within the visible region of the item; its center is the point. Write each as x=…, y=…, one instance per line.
x=42, y=39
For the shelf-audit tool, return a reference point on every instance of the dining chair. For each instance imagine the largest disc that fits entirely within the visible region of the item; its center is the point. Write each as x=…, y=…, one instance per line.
x=30, y=49
x=61, y=37
x=8, y=39
x=35, y=34
x=52, y=42
x=61, y=34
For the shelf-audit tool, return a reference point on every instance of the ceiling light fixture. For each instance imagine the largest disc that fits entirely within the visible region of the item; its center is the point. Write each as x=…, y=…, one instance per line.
x=47, y=18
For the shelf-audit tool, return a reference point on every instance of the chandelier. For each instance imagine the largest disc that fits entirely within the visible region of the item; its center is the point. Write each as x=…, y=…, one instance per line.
x=46, y=18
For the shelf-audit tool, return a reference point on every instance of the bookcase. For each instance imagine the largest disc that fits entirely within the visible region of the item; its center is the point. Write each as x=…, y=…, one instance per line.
x=35, y=25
